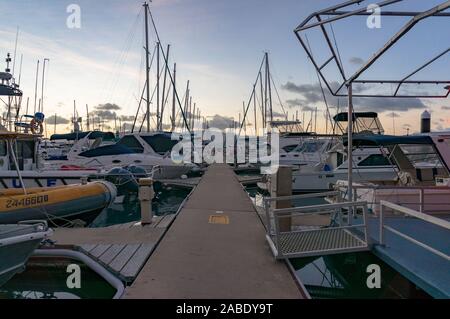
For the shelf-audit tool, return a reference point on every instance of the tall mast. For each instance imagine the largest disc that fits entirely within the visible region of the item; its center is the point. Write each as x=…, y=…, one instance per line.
x=147, y=68
x=270, y=87
x=87, y=117
x=174, y=95
x=163, y=99
x=158, y=109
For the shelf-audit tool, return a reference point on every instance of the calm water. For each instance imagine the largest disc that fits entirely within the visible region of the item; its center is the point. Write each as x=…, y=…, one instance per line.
x=47, y=280
x=167, y=201
x=345, y=275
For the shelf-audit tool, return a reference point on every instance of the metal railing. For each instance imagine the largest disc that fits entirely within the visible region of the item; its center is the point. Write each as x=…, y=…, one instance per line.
x=410, y=212
x=338, y=210
x=421, y=193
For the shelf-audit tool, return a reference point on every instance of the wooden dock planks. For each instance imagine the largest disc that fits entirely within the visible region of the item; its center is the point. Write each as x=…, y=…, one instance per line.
x=121, y=249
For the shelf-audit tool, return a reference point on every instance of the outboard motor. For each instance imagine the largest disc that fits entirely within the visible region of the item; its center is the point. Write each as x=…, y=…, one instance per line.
x=123, y=179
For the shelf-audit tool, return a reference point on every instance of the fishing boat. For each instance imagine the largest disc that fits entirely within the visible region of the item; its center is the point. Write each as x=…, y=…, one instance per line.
x=423, y=165
x=17, y=243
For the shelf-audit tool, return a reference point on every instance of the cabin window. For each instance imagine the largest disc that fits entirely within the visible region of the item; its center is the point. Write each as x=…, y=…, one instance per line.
x=161, y=144
x=3, y=151
x=375, y=160
x=289, y=148
x=132, y=143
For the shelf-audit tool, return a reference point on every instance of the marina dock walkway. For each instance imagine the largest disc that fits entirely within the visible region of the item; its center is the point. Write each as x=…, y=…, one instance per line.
x=215, y=248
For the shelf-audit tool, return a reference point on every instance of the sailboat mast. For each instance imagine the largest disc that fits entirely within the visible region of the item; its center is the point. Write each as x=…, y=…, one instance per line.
x=158, y=106
x=174, y=95
x=147, y=66
x=270, y=87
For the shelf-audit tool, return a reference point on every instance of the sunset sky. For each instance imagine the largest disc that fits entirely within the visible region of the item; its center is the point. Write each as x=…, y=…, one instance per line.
x=218, y=46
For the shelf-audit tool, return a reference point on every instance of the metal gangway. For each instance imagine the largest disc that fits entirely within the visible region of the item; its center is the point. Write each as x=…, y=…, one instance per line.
x=344, y=233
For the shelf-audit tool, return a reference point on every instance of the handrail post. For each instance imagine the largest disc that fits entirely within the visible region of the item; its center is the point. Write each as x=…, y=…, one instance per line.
x=381, y=226
x=422, y=198
x=267, y=205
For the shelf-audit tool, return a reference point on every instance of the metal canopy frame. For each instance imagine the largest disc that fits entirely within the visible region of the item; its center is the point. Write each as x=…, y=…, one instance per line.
x=309, y=23
x=321, y=18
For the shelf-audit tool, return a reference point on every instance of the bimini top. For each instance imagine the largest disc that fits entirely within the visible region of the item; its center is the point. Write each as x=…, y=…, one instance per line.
x=387, y=140
x=343, y=117
x=80, y=135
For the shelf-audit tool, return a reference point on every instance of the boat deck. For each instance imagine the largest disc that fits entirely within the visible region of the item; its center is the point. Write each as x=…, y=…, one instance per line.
x=425, y=269
x=121, y=249
x=215, y=248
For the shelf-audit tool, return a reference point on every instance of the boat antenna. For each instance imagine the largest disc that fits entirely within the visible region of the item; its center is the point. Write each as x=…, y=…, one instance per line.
x=36, y=87
x=43, y=83
x=15, y=52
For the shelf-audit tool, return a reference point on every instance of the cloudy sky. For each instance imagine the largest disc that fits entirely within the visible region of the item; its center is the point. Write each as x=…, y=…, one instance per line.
x=218, y=46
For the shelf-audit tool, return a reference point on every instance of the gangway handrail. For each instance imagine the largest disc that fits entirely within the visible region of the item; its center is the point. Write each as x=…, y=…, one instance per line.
x=410, y=212
x=274, y=236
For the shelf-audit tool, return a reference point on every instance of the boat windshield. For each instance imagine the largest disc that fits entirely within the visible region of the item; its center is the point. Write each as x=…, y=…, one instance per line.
x=421, y=155
x=311, y=146
x=160, y=143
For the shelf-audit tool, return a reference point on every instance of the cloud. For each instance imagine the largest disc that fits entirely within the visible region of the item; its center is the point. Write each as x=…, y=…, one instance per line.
x=108, y=107
x=105, y=114
x=221, y=122
x=59, y=120
x=356, y=60
x=127, y=118
x=310, y=95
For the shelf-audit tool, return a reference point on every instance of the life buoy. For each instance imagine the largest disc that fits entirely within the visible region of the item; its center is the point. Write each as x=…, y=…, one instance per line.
x=36, y=127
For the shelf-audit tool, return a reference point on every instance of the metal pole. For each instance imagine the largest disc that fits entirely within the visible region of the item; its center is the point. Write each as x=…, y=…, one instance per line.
x=147, y=63
x=270, y=87
x=174, y=95
x=16, y=164
x=42, y=90
x=166, y=69
x=158, y=48
x=350, y=143
x=36, y=87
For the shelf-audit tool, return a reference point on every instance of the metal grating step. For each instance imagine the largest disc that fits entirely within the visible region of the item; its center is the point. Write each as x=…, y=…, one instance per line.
x=319, y=242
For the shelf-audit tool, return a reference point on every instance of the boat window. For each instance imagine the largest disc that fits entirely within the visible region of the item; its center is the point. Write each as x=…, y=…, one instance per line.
x=289, y=148
x=375, y=160
x=311, y=147
x=132, y=143
x=422, y=155
x=161, y=144
x=3, y=148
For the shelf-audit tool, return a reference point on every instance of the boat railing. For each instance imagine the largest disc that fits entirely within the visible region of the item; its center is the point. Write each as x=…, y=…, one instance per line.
x=412, y=213
x=343, y=236
x=422, y=191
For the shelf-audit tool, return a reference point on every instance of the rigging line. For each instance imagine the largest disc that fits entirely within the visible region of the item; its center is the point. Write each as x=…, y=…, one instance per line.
x=170, y=75
x=278, y=95
x=151, y=100
x=320, y=84
x=120, y=60
x=253, y=93
x=337, y=47
x=143, y=91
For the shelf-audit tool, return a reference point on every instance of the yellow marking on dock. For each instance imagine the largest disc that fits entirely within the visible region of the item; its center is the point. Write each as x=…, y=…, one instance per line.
x=219, y=219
